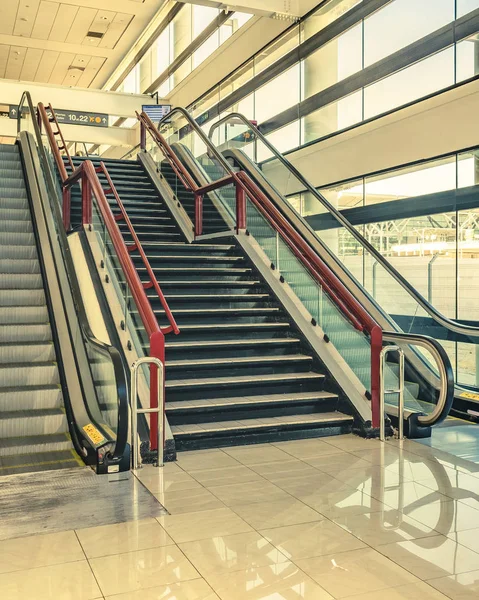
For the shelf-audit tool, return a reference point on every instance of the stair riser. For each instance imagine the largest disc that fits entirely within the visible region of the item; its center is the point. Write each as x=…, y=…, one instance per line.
x=28, y=400
x=233, y=334
x=261, y=436
x=9, y=265
x=207, y=319
x=231, y=352
x=10, y=238
x=20, y=281
x=23, y=314
x=240, y=413
x=196, y=371
x=244, y=389
x=43, y=448
x=33, y=426
x=32, y=375
x=27, y=333
x=15, y=298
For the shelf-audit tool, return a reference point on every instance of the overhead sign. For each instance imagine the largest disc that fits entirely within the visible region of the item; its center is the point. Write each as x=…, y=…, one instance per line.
x=156, y=111
x=13, y=111
x=77, y=117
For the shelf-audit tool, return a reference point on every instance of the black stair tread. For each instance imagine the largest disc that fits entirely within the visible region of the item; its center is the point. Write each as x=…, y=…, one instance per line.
x=34, y=440
x=213, y=343
x=176, y=245
x=226, y=270
x=239, y=379
x=215, y=311
x=238, y=360
x=218, y=426
x=246, y=400
x=247, y=297
x=228, y=325
x=247, y=283
x=184, y=257
x=31, y=413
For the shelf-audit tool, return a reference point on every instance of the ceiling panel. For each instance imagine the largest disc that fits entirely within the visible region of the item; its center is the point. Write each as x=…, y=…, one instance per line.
x=31, y=63
x=81, y=25
x=115, y=31
x=63, y=22
x=46, y=15
x=47, y=63
x=61, y=67
x=27, y=12
x=15, y=61
x=76, y=69
x=99, y=25
x=4, y=52
x=8, y=13
x=91, y=71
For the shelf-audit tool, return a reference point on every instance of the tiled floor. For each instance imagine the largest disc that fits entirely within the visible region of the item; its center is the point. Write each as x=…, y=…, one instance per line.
x=305, y=520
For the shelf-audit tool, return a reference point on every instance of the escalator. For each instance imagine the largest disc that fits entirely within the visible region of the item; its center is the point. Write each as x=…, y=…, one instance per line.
x=63, y=392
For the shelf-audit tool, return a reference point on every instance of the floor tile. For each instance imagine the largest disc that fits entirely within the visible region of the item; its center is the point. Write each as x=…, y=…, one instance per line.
x=257, y=454
x=279, y=513
x=247, y=493
x=350, y=442
x=71, y=581
x=123, y=537
x=205, y=459
x=432, y=557
x=313, y=483
x=307, y=448
x=308, y=540
x=469, y=538
x=412, y=591
x=335, y=463
x=205, y=524
x=459, y=486
x=189, y=501
x=384, y=527
x=225, y=476
x=275, y=582
x=158, y=482
x=445, y=517
x=39, y=551
x=419, y=469
x=357, y=572
x=223, y=555
x=464, y=586
x=288, y=468
x=344, y=502
x=382, y=455
x=133, y=571
x=367, y=478
x=401, y=496
x=196, y=589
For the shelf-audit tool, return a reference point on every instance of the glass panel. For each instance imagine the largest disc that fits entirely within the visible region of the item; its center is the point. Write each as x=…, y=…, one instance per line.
x=276, y=50
x=331, y=118
x=467, y=58
x=333, y=62
x=392, y=28
x=326, y=15
x=465, y=6
x=283, y=139
x=416, y=81
x=277, y=95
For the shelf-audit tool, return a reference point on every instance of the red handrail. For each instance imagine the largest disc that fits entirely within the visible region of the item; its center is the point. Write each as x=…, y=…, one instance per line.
x=153, y=282
x=91, y=185
x=246, y=187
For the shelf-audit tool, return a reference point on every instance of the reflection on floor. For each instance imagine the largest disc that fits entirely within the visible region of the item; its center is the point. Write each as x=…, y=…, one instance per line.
x=323, y=519
x=457, y=437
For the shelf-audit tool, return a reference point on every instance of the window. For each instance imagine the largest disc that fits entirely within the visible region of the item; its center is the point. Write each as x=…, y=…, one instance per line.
x=326, y=15
x=277, y=95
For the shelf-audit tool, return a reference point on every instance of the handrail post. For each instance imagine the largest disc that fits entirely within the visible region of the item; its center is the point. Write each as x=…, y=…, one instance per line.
x=157, y=350
x=400, y=390
x=66, y=207
x=157, y=365
x=198, y=214
x=240, y=208
x=376, y=345
x=142, y=136
x=86, y=199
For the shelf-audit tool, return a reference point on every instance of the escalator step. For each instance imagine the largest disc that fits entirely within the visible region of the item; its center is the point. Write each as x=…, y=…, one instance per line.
x=25, y=333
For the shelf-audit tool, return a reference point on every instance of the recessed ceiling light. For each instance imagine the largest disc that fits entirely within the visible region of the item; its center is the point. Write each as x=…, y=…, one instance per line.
x=24, y=19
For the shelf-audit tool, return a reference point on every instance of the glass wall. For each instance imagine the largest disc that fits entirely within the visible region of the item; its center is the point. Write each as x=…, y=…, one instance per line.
x=379, y=62
x=436, y=250
x=186, y=26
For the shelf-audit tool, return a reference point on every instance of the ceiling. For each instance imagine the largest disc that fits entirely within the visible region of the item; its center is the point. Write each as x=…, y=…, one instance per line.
x=74, y=43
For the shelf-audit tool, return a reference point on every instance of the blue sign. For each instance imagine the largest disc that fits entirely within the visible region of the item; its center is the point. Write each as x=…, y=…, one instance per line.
x=156, y=111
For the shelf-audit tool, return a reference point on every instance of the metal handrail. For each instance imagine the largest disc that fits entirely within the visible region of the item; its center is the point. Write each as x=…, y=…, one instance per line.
x=153, y=282
x=106, y=349
x=400, y=391
x=446, y=395
x=444, y=367
x=450, y=324
x=158, y=410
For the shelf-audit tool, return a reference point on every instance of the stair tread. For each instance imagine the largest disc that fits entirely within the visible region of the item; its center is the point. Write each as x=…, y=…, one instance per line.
x=240, y=400
x=173, y=383
x=238, y=360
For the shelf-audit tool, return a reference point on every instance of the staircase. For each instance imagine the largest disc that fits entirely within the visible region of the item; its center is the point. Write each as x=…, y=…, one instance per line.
x=239, y=371
x=33, y=426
